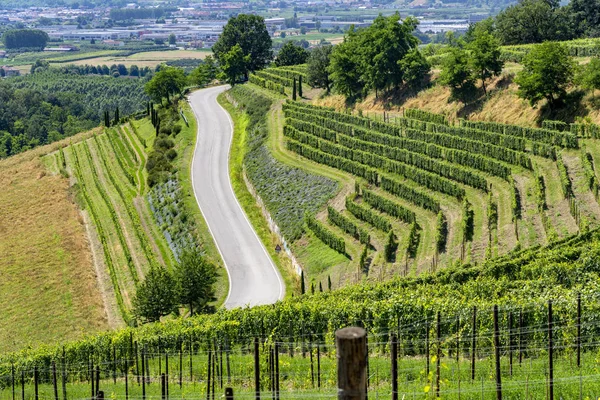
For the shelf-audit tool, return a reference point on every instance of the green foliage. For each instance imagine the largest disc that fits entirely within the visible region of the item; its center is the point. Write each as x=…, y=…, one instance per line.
x=387, y=206
x=367, y=215
x=288, y=192
x=362, y=263
x=492, y=213
x=565, y=181
x=50, y=105
x=25, y=38
x=515, y=201
x=166, y=82
x=389, y=250
x=441, y=232
x=547, y=72
x=533, y=21
x=234, y=64
x=468, y=221
x=156, y=296
x=415, y=69
x=294, y=90
x=291, y=54
x=370, y=58
x=590, y=175
x=414, y=236
x=542, y=205
x=195, y=277
x=426, y=116
x=485, y=55
x=559, y=126
x=205, y=72
x=325, y=235
x=318, y=67
x=338, y=219
x=457, y=75
x=250, y=33
x=589, y=76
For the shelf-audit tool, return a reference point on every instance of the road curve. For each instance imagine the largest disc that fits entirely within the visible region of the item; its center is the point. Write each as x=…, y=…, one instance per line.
x=253, y=278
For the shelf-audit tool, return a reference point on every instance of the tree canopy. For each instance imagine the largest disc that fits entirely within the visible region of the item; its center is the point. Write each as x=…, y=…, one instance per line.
x=156, y=296
x=485, y=55
x=371, y=58
x=458, y=75
x=318, y=67
x=234, y=65
x=21, y=38
x=291, y=54
x=195, y=277
x=166, y=82
x=250, y=33
x=547, y=72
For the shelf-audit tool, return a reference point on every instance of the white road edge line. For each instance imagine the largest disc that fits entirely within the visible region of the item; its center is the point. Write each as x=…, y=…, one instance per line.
x=198, y=202
x=281, y=286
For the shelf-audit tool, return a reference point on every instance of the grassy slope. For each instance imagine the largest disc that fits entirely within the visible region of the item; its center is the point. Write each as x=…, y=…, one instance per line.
x=48, y=286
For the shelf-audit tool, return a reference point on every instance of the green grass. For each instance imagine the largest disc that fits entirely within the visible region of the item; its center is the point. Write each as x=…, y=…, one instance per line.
x=299, y=377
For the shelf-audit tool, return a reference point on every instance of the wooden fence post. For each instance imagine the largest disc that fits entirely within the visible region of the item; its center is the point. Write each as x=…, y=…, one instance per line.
x=439, y=355
x=578, y=330
x=352, y=363
x=35, y=382
x=550, y=353
x=54, y=380
x=473, y=342
x=256, y=369
x=228, y=394
x=497, y=354
x=394, y=359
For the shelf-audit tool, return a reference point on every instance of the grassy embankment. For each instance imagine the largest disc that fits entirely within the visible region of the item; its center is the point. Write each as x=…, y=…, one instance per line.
x=48, y=287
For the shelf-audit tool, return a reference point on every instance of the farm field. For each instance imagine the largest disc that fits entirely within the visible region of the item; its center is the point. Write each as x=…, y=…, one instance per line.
x=145, y=59
x=48, y=283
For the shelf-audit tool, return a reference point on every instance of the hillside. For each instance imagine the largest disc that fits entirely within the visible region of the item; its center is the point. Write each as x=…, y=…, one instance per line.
x=48, y=283
x=81, y=230
x=418, y=159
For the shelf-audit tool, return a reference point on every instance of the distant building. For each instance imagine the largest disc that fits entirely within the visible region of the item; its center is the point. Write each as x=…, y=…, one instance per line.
x=2, y=54
x=114, y=43
x=11, y=71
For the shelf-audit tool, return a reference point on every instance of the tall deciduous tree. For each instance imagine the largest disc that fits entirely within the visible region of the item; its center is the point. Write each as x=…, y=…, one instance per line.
x=457, y=74
x=250, y=33
x=291, y=54
x=318, y=67
x=156, y=296
x=234, y=65
x=195, y=278
x=485, y=55
x=547, y=72
x=589, y=75
x=166, y=82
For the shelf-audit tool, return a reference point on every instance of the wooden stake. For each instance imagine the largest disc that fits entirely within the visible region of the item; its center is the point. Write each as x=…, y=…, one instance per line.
x=550, y=353
x=352, y=363
x=497, y=354
x=256, y=369
x=394, y=360
x=473, y=342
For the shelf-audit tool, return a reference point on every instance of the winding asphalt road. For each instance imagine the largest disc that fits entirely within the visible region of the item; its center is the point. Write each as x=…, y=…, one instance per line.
x=253, y=278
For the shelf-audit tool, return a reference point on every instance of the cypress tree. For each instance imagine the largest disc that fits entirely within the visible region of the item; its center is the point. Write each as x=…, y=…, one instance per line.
x=157, y=126
x=390, y=247
x=329, y=282
x=294, y=90
x=302, y=284
x=300, y=86
x=363, y=258
x=148, y=108
x=117, y=119
x=312, y=288
x=320, y=287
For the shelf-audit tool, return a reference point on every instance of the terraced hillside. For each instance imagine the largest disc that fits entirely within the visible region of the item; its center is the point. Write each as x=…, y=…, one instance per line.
x=110, y=175
x=449, y=192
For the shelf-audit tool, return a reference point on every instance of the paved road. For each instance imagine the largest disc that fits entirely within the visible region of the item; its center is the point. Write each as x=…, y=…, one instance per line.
x=253, y=278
